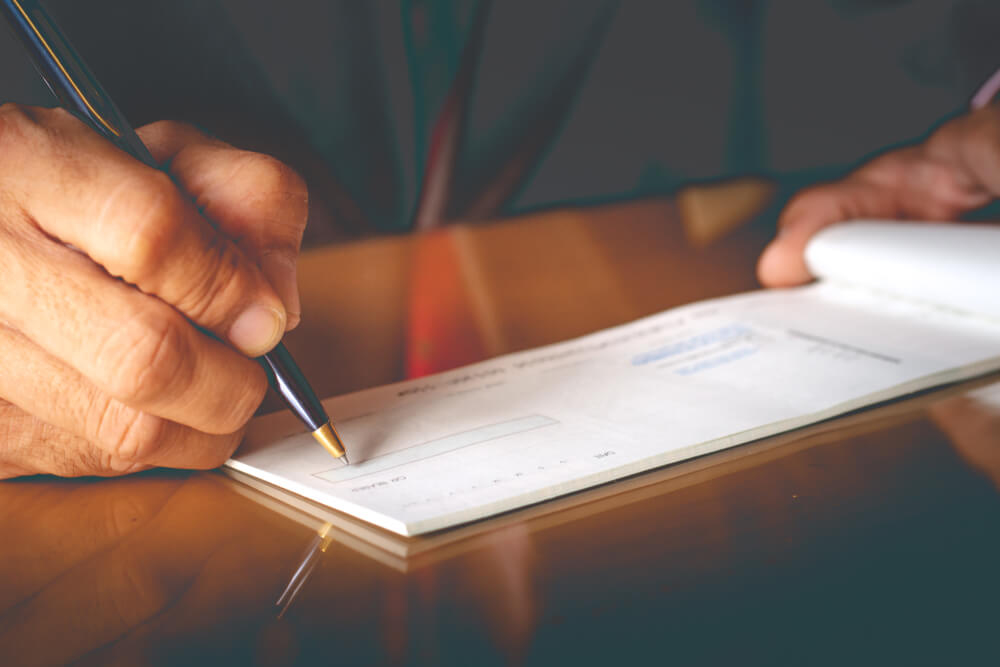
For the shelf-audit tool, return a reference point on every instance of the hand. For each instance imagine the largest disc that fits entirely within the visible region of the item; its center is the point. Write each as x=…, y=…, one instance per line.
x=955, y=171
x=108, y=266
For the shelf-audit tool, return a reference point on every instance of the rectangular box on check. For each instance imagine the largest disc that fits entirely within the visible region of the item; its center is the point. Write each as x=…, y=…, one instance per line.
x=448, y=443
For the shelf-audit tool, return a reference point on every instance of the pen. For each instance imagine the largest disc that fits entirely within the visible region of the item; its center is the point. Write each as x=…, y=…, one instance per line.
x=78, y=91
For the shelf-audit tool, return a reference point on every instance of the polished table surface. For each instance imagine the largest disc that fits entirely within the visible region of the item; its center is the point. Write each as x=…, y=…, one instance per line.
x=870, y=539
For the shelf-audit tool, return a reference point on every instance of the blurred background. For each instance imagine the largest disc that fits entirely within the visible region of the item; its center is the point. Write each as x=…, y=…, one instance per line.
x=517, y=105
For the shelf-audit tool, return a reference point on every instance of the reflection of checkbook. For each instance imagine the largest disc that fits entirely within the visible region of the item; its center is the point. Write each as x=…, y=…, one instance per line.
x=899, y=308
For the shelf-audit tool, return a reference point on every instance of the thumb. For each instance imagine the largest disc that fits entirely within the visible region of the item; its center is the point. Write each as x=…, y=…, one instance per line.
x=782, y=264
x=253, y=198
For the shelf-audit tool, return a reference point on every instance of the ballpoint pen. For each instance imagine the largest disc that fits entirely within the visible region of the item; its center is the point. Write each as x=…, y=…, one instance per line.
x=78, y=91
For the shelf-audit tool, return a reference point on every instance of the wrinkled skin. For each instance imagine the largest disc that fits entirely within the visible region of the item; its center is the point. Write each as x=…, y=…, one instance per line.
x=109, y=268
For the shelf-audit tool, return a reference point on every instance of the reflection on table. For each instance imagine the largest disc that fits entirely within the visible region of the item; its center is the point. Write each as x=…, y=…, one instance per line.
x=872, y=538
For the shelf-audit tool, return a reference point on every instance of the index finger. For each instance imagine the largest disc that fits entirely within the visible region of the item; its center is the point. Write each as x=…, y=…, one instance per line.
x=250, y=196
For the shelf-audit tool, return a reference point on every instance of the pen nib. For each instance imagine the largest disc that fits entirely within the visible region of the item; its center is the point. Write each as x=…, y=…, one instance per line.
x=327, y=436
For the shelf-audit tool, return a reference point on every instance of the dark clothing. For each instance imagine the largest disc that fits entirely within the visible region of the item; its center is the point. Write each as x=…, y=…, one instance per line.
x=572, y=101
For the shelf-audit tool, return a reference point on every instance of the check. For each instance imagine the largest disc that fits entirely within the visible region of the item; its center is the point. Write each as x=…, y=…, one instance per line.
x=459, y=446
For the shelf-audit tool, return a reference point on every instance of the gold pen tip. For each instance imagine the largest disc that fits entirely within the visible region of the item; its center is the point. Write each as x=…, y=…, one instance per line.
x=327, y=436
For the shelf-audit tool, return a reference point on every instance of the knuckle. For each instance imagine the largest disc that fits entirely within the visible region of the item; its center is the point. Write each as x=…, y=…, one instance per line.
x=25, y=127
x=16, y=125
x=218, y=282
x=272, y=175
x=144, y=216
x=130, y=437
x=11, y=114
x=276, y=183
x=8, y=109
x=146, y=358
x=63, y=453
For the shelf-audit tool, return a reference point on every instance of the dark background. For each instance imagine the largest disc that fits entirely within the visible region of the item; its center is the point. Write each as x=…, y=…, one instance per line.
x=621, y=99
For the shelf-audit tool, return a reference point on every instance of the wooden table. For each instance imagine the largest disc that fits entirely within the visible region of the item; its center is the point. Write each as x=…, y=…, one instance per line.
x=871, y=539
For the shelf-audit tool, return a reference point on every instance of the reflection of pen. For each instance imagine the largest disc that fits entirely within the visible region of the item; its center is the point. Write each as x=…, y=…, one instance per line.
x=307, y=563
x=78, y=91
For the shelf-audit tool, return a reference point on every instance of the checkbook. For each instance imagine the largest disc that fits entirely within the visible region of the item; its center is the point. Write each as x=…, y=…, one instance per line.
x=896, y=308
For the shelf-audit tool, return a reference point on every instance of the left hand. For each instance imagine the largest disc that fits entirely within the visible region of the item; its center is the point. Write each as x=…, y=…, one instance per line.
x=955, y=171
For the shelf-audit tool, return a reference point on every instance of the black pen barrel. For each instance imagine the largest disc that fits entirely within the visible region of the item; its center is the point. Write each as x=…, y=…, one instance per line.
x=291, y=383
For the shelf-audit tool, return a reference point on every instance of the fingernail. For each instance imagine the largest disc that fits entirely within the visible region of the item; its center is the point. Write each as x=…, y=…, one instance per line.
x=280, y=270
x=257, y=330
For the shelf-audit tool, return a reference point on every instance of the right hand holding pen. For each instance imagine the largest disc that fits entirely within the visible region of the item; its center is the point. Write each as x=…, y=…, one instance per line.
x=108, y=265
